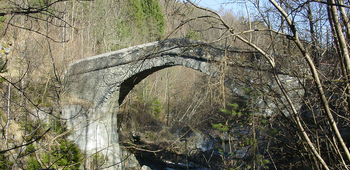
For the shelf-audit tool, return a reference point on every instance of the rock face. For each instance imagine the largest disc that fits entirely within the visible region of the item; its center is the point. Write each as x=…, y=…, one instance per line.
x=96, y=86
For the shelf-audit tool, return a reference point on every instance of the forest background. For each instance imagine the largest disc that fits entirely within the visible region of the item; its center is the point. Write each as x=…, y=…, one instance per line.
x=40, y=38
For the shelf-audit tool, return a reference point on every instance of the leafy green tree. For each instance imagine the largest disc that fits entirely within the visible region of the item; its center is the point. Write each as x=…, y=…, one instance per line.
x=155, y=17
x=67, y=154
x=5, y=162
x=149, y=18
x=157, y=107
x=64, y=154
x=32, y=163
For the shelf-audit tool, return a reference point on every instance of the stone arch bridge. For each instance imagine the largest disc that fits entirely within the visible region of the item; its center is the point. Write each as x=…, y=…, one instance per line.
x=96, y=86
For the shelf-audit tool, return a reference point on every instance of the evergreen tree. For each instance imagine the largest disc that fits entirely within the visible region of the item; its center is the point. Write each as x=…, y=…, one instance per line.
x=148, y=17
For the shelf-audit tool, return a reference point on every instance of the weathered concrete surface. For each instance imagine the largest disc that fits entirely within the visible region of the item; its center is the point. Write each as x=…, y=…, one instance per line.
x=96, y=86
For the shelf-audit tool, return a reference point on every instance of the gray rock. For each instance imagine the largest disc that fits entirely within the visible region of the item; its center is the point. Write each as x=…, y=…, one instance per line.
x=144, y=167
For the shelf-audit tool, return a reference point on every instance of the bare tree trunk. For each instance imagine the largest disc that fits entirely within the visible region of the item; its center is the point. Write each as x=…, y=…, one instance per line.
x=341, y=37
x=8, y=102
x=345, y=18
x=336, y=41
x=314, y=43
x=346, y=58
x=249, y=21
x=167, y=97
x=315, y=74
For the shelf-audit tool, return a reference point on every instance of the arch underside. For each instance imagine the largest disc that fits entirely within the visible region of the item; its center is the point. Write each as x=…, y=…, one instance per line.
x=128, y=84
x=131, y=82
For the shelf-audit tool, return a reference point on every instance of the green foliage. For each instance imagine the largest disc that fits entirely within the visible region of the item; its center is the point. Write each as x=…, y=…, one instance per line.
x=32, y=128
x=157, y=107
x=67, y=151
x=44, y=99
x=33, y=164
x=30, y=149
x=273, y=131
x=225, y=111
x=265, y=161
x=122, y=30
x=233, y=114
x=262, y=161
x=221, y=127
x=148, y=17
x=2, y=25
x=138, y=13
x=5, y=163
x=234, y=111
x=250, y=141
x=39, y=3
x=3, y=18
x=193, y=35
x=241, y=119
x=56, y=127
x=247, y=91
x=62, y=153
x=154, y=16
x=233, y=105
x=97, y=160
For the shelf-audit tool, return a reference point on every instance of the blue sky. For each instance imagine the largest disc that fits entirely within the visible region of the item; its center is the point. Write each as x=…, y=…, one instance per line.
x=238, y=8
x=214, y=4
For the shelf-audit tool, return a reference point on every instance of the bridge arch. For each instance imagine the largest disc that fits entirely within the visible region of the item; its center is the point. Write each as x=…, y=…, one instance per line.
x=96, y=86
